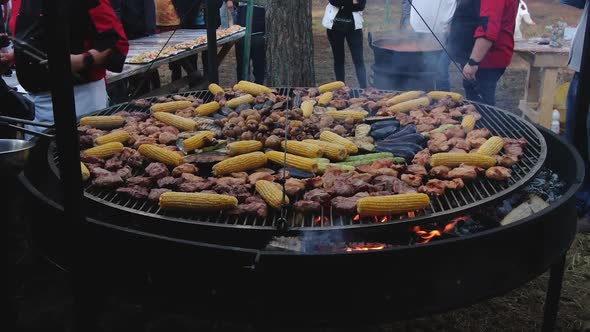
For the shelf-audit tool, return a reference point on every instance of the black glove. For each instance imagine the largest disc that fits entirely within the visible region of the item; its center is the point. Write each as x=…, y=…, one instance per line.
x=14, y=104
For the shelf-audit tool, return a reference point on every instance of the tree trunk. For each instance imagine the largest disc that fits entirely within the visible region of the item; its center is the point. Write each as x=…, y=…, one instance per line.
x=289, y=43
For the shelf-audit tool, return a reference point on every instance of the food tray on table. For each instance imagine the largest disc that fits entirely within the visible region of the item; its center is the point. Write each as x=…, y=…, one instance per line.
x=171, y=50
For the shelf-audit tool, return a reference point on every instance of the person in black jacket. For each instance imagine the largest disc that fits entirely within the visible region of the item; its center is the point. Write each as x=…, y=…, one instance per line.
x=346, y=24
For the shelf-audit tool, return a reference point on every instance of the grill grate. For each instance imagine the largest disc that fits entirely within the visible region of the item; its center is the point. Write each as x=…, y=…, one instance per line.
x=452, y=203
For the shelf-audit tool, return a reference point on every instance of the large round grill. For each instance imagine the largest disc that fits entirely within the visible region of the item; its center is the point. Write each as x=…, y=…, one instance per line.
x=452, y=203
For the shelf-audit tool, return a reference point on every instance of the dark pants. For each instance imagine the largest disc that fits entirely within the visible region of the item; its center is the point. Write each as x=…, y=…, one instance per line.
x=486, y=80
x=355, y=44
x=257, y=57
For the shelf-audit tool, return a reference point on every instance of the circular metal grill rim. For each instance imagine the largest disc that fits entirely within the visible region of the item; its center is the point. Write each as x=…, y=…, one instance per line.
x=494, y=123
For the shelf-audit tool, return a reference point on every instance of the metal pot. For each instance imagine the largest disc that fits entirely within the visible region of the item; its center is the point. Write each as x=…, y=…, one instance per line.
x=14, y=154
x=410, y=52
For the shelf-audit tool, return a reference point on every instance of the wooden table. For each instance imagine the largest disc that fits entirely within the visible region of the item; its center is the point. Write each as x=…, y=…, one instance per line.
x=155, y=43
x=544, y=62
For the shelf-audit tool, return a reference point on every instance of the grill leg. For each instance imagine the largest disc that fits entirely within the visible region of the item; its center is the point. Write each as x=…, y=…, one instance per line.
x=553, y=294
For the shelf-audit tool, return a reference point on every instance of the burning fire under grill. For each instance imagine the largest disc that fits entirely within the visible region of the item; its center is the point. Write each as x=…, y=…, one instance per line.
x=546, y=187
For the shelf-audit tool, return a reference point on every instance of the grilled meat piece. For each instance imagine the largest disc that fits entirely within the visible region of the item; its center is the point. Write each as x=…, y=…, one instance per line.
x=498, y=173
x=139, y=140
x=86, y=159
x=400, y=187
x=422, y=128
x=385, y=182
x=441, y=172
x=97, y=171
x=459, y=143
x=152, y=131
x=294, y=186
x=433, y=187
x=170, y=129
x=436, y=146
x=166, y=138
x=185, y=168
x=141, y=103
x=427, y=121
x=465, y=172
x=455, y=150
x=412, y=180
x=520, y=142
x=254, y=206
x=317, y=195
x=199, y=186
x=143, y=181
x=114, y=163
x=230, y=181
x=254, y=177
x=307, y=206
x=422, y=158
x=417, y=170
x=476, y=141
x=168, y=182
x=506, y=160
x=205, y=157
x=137, y=192
x=241, y=192
x=448, y=120
x=341, y=187
x=188, y=177
x=157, y=170
x=482, y=132
x=124, y=172
x=455, y=184
x=154, y=194
x=513, y=149
x=132, y=157
x=347, y=205
x=86, y=140
x=107, y=180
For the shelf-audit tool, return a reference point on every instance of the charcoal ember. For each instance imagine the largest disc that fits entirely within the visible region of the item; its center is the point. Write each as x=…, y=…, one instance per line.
x=137, y=192
x=155, y=194
x=467, y=226
x=157, y=170
x=143, y=181
x=546, y=185
x=307, y=206
x=169, y=182
x=124, y=172
x=109, y=180
x=347, y=205
x=185, y=168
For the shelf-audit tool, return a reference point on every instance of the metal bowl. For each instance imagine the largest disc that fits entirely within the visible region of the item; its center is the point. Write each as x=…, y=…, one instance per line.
x=14, y=154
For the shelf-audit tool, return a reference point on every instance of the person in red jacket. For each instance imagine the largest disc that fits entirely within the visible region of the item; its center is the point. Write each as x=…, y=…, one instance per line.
x=97, y=43
x=489, y=51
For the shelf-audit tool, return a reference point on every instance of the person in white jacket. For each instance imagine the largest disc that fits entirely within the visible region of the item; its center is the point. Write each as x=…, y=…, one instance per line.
x=438, y=14
x=343, y=20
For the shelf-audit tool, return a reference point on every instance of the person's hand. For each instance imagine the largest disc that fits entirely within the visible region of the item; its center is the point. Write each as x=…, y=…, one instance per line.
x=7, y=57
x=101, y=57
x=469, y=71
